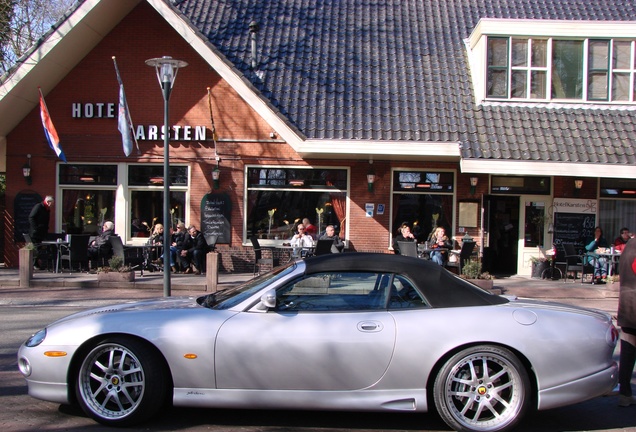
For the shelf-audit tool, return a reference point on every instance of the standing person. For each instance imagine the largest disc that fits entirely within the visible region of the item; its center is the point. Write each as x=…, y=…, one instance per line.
x=440, y=241
x=627, y=322
x=405, y=234
x=330, y=234
x=194, y=248
x=598, y=262
x=39, y=227
x=39, y=219
x=310, y=229
x=621, y=240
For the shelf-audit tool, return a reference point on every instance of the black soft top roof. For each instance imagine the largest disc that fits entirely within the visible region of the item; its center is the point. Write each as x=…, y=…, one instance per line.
x=440, y=287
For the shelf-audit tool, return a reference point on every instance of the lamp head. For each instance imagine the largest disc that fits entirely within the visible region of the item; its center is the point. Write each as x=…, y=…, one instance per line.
x=26, y=170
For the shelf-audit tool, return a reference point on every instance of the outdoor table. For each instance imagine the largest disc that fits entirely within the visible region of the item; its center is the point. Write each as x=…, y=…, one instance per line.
x=294, y=251
x=425, y=252
x=612, y=258
x=59, y=245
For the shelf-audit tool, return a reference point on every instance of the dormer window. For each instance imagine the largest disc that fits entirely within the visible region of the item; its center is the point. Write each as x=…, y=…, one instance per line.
x=594, y=70
x=553, y=61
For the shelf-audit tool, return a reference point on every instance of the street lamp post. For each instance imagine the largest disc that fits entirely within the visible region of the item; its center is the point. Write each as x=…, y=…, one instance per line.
x=166, y=68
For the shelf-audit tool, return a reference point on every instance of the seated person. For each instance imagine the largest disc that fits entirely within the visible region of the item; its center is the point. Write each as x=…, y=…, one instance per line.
x=598, y=262
x=301, y=241
x=193, y=251
x=101, y=247
x=155, y=239
x=405, y=234
x=330, y=234
x=178, y=237
x=439, y=240
x=622, y=239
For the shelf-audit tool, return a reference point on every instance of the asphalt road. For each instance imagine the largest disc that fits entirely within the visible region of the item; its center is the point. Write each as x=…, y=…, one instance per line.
x=19, y=412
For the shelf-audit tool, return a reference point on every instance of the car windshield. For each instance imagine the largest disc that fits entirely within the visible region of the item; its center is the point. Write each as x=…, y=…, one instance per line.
x=230, y=297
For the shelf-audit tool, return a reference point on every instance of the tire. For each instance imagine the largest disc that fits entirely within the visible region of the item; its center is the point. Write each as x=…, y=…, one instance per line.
x=482, y=388
x=121, y=382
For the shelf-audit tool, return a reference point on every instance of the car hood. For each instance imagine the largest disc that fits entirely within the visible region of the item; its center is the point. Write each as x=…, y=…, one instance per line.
x=170, y=303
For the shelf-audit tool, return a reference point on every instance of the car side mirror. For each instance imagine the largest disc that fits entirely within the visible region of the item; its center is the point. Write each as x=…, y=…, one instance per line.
x=268, y=300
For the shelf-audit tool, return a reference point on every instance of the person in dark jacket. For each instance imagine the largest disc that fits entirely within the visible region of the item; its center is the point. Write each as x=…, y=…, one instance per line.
x=405, y=234
x=39, y=228
x=626, y=319
x=101, y=248
x=39, y=219
x=193, y=251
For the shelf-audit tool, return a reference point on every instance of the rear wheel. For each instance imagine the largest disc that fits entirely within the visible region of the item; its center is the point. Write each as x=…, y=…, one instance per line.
x=482, y=388
x=121, y=382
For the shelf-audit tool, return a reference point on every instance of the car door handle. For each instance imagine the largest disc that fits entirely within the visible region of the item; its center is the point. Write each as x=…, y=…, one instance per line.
x=370, y=326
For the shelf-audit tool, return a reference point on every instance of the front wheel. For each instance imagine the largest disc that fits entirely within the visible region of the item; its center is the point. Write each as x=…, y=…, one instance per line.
x=482, y=389
x=120, y=382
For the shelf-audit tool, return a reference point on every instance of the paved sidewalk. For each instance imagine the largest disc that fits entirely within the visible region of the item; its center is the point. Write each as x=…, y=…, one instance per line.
x=47, y=286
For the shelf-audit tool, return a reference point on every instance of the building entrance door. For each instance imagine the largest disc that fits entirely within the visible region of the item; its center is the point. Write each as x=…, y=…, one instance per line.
x=501, y=228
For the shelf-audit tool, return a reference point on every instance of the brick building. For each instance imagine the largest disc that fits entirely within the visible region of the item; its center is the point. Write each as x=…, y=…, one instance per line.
x=488, y=118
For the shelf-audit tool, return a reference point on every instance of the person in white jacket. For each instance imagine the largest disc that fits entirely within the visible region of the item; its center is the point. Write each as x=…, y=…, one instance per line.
x=301, y=242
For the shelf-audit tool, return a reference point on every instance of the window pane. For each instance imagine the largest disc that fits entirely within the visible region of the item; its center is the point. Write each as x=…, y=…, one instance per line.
x=538, y=89
x=498, y=52
x=497, y=83
x=152, y=175
x=535, y=219
x=288, y=208
x=518, y=85
x=598, y=55
x=403, y=295
x=567, y=69
x=620, y=86
x=622, y=55
x=84, y=211
x=539, y=53
x=301, y=178
x=424, y=213
x=334, y=292
x=88, y=174
x=423, y=181
x=147, y=206
x=519, y=52
x=597, y=86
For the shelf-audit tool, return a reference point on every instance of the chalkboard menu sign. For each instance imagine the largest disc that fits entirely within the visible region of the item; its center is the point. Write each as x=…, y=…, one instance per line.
x=573, y=228
x=215, y=216
x=22, y=206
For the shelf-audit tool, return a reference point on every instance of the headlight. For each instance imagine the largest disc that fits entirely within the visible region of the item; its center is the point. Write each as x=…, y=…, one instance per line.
x=36, y=339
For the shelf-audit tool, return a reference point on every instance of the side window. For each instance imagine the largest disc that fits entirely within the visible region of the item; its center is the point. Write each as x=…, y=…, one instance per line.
x=404, y=296
x=333, y=292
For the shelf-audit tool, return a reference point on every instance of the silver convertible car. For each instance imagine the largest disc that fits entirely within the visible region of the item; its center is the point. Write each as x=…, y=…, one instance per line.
x=367, y=332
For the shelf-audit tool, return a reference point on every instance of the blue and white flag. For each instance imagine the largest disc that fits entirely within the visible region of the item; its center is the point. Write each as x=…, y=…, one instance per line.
x=124, y=122
x=49, y=129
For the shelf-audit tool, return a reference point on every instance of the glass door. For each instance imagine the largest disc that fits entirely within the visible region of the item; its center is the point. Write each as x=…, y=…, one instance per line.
x=533, y=230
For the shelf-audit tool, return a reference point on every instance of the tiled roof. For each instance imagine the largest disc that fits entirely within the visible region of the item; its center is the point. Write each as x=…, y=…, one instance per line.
x=397, y=70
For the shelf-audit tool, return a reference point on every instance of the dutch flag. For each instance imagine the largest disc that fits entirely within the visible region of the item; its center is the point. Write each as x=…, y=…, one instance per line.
x=49, y=129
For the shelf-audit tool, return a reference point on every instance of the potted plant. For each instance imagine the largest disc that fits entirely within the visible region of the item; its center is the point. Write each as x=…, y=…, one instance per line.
x=539, y=265
x=471, y=271
x=116, y=271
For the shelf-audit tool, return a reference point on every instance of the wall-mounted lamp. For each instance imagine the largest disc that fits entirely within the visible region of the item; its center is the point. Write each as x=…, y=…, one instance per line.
x=216, y=175
x=370, y=176
x=473, y=184
x=578, y=184
x=26, y=170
